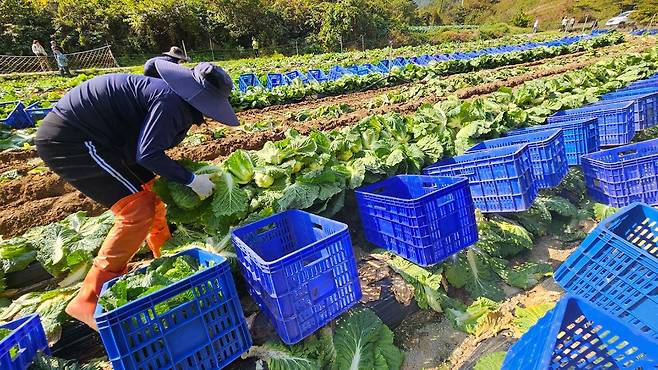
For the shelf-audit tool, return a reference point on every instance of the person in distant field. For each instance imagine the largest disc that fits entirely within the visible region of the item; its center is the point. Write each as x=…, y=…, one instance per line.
x=572, y=24
x=565, y=22
x=595, y=24
x=62, y=61
x=107, y=137
x=255, y=46
x=174, y=55
x=535, y=27
x=40, y=52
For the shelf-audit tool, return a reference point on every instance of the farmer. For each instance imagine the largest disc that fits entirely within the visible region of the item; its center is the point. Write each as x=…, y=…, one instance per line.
x=174, y=55
x=107, y=137
x=565, y=22
x=62, y=61
x=535, y=27
x=41, y=54
x=255, y=46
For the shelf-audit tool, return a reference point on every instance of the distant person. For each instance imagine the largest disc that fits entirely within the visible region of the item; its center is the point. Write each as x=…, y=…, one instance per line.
x=255, y=46
x=572, y=24
x=565, y=21
x=535, y=27
x=595, y=24
x=174, y=55
x=62, y=61
x=40, y=52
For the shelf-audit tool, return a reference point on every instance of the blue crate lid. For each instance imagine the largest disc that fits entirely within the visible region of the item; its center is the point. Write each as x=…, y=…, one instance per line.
x=626, y=153
x=548, y=134
x=411, y=187
x=507, y=151
x=204, y=257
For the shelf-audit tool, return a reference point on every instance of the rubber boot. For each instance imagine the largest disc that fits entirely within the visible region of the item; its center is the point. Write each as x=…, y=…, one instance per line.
x=82, y=307
x=133, y=218
x=159, y=233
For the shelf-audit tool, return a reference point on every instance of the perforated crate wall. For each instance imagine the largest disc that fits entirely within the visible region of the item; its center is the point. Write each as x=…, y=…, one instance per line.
x=577, y=335
x=616, y=268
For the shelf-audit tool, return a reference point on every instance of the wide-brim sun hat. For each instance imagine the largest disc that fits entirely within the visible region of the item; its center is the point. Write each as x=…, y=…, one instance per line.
x=206, y=87
x=177, y=53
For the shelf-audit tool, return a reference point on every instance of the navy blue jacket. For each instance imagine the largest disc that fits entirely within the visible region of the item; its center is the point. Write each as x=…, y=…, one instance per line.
x=149, y=66
x=138, y=116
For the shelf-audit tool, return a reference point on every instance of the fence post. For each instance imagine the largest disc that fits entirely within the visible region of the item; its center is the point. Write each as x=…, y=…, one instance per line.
x=212, y=51
x=340, y=39
x=296, y=48
x=363, y=43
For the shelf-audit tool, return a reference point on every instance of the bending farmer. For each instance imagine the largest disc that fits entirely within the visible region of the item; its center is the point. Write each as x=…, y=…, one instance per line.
x=107, y=137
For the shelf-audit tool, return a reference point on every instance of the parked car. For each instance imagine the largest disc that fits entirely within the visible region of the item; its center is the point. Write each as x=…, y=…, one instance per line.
x=622, y=20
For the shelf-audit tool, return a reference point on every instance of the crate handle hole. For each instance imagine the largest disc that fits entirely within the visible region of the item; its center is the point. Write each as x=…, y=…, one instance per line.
x=379, y=190
x=264, y=229
x=627, y=152
x=429, y=185
x=313, y=258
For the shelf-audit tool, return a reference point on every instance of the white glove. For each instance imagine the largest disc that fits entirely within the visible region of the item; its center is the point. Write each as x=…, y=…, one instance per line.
x=202, y=186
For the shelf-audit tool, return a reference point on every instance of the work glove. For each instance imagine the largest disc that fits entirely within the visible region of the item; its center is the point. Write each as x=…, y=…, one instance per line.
x=202, y=186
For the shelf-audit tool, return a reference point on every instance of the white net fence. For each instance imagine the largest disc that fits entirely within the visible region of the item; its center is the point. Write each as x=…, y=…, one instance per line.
x=96, y=58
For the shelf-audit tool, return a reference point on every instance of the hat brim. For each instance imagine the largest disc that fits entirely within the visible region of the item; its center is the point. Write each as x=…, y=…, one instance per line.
x=184, y=58
x=210, y=104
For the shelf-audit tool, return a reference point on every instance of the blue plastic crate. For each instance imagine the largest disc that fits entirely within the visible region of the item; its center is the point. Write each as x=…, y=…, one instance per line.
x=275, y=80
x=646, y=108
x=317, y=75
x=207, y=332
x=616, y=121
x=37, y=111
x=580, y=137
x=547, y=153
x=500, y=179
x=294, y=75
x=17, y=350
x=400, y=62
x=300, y=269
x=17, y=118
x=424, y=219
x=623, y=175
x=642, y=84
x=247, y=80
x=385, y=65
x=336, y=72
x=578, y=335
x=629, y=92
x=616, y=267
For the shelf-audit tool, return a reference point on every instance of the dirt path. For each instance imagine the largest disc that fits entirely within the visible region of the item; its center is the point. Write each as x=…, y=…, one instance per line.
x=34, y=200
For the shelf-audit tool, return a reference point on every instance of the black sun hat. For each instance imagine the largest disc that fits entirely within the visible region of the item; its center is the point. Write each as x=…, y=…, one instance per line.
x=177, y=53
x=206, y=87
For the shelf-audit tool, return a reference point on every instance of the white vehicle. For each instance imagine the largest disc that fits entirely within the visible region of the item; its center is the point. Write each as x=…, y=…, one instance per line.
x=621, y=20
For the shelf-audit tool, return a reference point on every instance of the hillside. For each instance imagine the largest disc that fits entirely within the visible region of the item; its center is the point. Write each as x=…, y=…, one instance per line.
x=550, y=13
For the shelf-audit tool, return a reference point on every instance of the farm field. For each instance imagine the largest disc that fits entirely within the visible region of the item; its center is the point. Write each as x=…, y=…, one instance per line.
x=310, y=147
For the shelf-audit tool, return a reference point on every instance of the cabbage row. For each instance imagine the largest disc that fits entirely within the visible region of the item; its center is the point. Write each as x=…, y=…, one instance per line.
x=297, y=91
